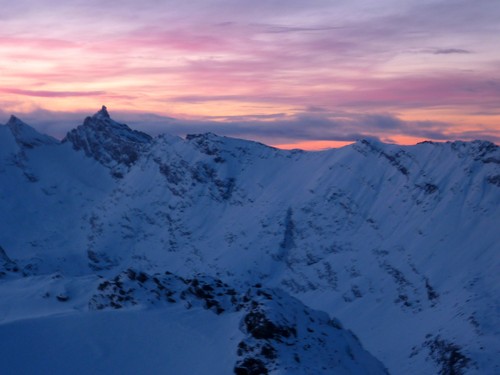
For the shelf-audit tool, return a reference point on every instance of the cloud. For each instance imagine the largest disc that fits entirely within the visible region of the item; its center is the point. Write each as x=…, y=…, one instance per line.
x=280, y=29
x=265, y=60
x=51, y=94
x=464, y=92
x=272, y=129
x=449, y=51
x=35, y=42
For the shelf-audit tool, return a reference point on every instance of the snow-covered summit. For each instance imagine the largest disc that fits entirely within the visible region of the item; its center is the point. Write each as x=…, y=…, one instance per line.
x=111, y=143
x=27, y=136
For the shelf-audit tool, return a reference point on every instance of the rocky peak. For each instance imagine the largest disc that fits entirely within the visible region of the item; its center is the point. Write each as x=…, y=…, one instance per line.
x=102, y=114
x=13, y=120
x=111, y=143
x=25, y=135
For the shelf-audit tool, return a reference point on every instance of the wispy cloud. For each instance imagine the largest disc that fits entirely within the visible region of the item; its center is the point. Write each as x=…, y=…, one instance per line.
x=237, y=60
x=51, y=94
x=280, y=29
x=449, y=51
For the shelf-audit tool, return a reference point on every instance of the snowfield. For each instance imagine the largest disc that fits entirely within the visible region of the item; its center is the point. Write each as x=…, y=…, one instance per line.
x=398, y=243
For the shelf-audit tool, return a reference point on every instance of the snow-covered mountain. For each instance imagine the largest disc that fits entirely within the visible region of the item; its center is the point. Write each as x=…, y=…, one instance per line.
x=400, y=243
x=113, y=144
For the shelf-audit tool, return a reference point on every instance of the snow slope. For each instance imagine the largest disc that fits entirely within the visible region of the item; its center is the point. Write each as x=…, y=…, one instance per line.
x=163, y=323
x=400, y=243
x=128, y=342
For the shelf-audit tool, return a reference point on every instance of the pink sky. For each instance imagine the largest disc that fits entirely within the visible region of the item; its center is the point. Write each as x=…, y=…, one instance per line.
x=293, y=73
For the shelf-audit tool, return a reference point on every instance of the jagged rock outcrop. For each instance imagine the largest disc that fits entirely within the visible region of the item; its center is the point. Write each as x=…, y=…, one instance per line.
x=280, y=333
x=7, y=265
x=112, y=144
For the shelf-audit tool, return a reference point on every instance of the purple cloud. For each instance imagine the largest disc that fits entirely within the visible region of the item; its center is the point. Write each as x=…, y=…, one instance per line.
x=448, y=51
x=272, y=129
x=429, y=60
x=51, y=94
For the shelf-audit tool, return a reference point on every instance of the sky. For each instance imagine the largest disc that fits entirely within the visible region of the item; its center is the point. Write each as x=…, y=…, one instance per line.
x=290, y=73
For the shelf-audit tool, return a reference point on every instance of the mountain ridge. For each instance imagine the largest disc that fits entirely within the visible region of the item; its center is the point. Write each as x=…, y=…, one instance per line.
x=390, y=239
x=113, y=144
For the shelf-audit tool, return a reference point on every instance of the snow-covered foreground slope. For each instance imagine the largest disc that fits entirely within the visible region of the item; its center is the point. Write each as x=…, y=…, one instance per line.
x=129, y=342
x=400, y=243
x=163, y=323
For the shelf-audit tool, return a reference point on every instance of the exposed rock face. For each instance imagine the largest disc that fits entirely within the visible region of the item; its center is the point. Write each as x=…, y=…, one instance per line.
x=7, y=265
x=280, y=333
x=112, y=144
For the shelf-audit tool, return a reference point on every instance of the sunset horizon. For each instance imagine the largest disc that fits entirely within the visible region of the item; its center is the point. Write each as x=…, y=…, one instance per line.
x=171, y=126
x=289, y=74
x=278, y=187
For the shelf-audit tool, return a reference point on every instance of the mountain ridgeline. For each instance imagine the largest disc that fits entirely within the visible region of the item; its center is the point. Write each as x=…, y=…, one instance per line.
x=399, y=243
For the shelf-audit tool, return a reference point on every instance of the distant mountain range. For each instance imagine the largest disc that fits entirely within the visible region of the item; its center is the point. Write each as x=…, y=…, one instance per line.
x=120, y=251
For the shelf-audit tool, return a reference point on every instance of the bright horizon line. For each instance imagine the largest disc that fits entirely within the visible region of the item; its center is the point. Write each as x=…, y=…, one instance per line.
x=155, y=128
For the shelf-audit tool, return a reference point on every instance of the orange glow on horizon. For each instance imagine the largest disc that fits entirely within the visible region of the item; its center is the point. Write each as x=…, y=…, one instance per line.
x=312, y=145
